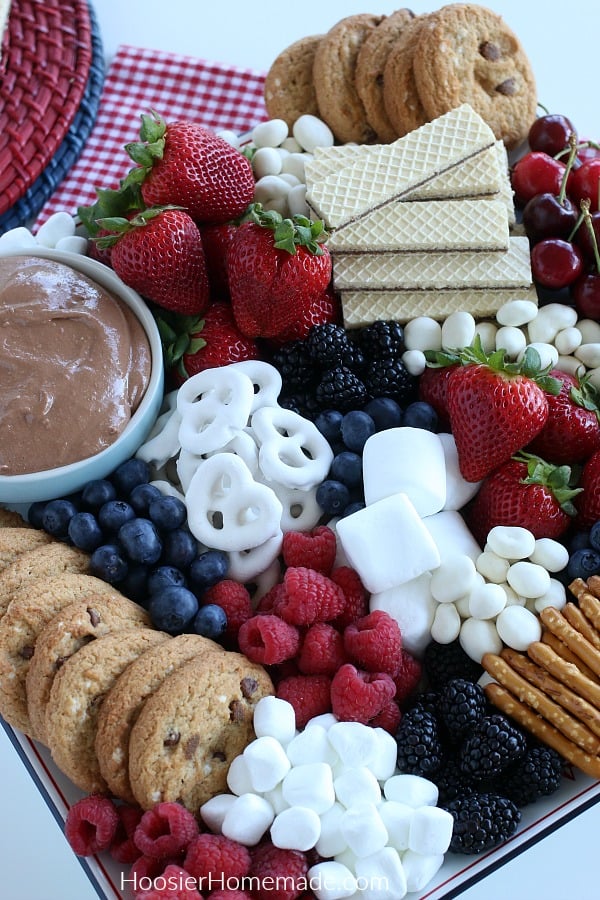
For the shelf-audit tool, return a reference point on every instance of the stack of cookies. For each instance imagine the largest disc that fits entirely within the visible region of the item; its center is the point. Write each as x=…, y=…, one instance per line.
x=421, y=224
x=375, y=78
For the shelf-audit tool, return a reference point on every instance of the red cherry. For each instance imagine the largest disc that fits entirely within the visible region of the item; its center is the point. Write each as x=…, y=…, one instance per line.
x=586, y=295
x=550, y=134
x=555, y=263
x=585, y=183
x=536, y=173
x=583, y=238
x=545, y=215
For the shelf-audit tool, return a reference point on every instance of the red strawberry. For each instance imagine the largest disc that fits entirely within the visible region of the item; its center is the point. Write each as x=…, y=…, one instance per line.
x=159, y=253
x=194, y=344
x=189, y=165
x=496, y=408
x=525, y=491
x=572, y=431
x=216, y=240
x=588, y=502
x=277, y=270
x=325, y=308
x=433, y=389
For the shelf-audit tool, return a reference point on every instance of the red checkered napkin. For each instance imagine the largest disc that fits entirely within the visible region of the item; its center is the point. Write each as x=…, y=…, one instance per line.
x=138, y=80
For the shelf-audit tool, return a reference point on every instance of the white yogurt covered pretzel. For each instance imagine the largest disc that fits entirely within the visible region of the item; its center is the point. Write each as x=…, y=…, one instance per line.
x=214, y=405
x=292, y=451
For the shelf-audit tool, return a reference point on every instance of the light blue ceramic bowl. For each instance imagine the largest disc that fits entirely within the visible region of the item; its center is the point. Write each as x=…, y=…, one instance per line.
x=22, y=489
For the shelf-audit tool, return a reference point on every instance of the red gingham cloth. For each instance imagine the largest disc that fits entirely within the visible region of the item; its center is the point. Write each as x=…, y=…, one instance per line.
x=138, y=80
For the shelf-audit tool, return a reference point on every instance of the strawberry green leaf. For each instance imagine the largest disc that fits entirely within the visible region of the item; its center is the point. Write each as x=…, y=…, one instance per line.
x=559, y=480
x=289, y=234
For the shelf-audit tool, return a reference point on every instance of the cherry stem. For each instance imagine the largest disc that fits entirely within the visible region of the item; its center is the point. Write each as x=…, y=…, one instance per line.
x=587, y=218
x=572, y=154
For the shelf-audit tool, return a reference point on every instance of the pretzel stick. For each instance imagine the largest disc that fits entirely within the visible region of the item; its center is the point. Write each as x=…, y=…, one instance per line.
x=523, y=715
x=593, y=584
x=567, y=673
x=499, y=669
x=563, y=651
x=558, y=692
x=558, y=625
x=575, y=617
x=587, y=596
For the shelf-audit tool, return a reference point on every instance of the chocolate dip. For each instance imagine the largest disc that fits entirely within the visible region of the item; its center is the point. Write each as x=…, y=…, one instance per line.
x=74, y=364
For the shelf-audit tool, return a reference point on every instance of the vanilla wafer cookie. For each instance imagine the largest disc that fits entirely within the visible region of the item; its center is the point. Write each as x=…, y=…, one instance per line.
x=45, y=561
x=78, y=691
x=289, y=90
x=73, y=627
x=30, y=609
x=124, y=702
x=436, y=226
x=408, y=163
x=18, y=539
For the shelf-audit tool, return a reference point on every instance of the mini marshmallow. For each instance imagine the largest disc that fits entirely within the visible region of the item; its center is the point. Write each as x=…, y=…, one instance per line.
x=420, y=869
x=511, y=542
x=517, y=312
x=430, y=831
x=458, y=490
x=412, y=790
x=421, y=474
x=354, y=743
x=452, y=579
x=331, y=841
x=247, y=819
x=356, y=786
x=276, y=718
x=528, y=579
x=445, y=627
x=555, y=596
x=325, y=720
x=458, y=330
x=312, y=132
x=387, y=543
x=413, y=608
x=213, y=812
x=309, y=785
x=487, y=600
x=383, y=765
x=479, y=636
x=331, y=880
x=19, y=238
x=518, y=627
x=492, y=566
x=296, y=828
x=451, y=535
x=74, y=243
x=238, y=777
x=267, y=763
x=550, y=554
x=311, y=745
x=276, y=799
x=363, y=830
x=381, y=876
x=423, y=333
x=397, y=818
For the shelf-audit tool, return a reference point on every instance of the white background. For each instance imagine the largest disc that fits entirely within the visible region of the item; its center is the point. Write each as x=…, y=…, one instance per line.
x=561, y=39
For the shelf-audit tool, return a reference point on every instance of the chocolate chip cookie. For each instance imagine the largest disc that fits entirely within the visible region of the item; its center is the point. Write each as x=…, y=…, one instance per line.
x=289, y=91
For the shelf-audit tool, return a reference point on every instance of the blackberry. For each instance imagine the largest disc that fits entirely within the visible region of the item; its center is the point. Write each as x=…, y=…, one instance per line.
x=442, y=662
x=451, y=781
x=491, y=745
x=328, y=344
x=461, y=705
x=481, y=822
x=420, y=750
x=294, y=364
x=342, y=389
x=382, y=338
x=537, y=774
x=388, y=377
x=302, y=402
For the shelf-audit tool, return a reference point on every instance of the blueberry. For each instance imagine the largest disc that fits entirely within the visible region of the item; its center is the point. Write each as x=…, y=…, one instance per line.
x=173, y=609
x=180, y=548
x=56, y=517
x=594, y=536
x=167, y=513
x=210, y=621
x=129, y=474
x=35, y=513
x=108, y=563
x=333, y=497
x=163, y=577
x=385, y=412
x=347, y=468
x=357, y=427
x=142, y=496
x=113, y=514
x=98, y=492
x=356, y=506
x=421, y=415
x=208, y=568
x=579, y=541
x=140, y=541
x=85, y=532
x=583, y=563
x=329, y=423
x=135, y=583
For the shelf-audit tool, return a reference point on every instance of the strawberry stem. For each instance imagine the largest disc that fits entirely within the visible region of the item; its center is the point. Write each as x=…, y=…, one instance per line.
x=557, y=479
x=289, y=234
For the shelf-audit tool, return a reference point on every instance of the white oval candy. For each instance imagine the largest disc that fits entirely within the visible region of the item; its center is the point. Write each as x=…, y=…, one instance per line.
x=492, y=566
x=270, y=134
x=517, y=312
x=479, y=636
x=550, y=320
x=486, y=331
x=528, y=579
x=458, y=330
x=57, y=226
x=518, y=627
x=453, y=578
x=446, y=624
x=511, y=339
x=589, y=328
x=269, y=188
x=415, y=361
x=312, y=132
x=550, y=554
x=511, y=542
x=266, y=161
x=556, y=596
x=487, y=600
x=589, y=355
x=294, y=164
x=423, y=333
x=568, y=340
x=547, y=352
x=296, y=201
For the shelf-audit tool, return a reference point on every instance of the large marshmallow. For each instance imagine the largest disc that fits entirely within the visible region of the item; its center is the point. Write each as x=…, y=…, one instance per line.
x=413, y=607
x=409, y=461
x=451, y=535
x=387, y=543
x=458, y=490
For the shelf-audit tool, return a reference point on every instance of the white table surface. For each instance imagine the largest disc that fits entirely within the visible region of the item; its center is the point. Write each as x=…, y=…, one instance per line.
x=561, y=41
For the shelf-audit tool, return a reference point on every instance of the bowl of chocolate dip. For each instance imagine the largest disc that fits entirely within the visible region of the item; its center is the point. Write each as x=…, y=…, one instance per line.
x=81, y=373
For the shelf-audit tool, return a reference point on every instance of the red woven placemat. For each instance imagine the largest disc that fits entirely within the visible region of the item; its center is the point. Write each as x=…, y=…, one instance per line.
x=45, y=64
x=217, y=95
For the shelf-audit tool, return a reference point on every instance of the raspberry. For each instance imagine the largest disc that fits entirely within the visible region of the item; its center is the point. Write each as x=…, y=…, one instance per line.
x=267, y=639
x=216, y=858
x=314, y=549
x=148, y=867
x=309, y=597
x=268, y=600
x=388, y=718
x=91, y=825
x=358, y=696
x=226, y=894
x=234, y=599
x=123, y=847
x=407, y=677
x=374, y=642
x=173, y=884
x=165, y=830
x=322, y=651
x=280, y=874
x=308, y=694
x=356, y=599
